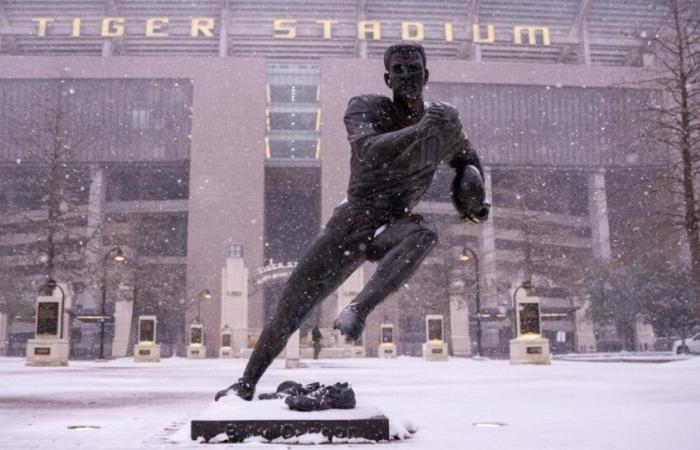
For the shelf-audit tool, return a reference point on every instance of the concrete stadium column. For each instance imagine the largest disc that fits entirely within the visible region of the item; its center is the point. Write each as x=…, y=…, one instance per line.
x=460, y=341
x=598, y=214
x=3, y=334
x=123, y=313
x=347, y=292
x=600, y=245
x=234, y=301
x=94, y=231
x=490, y=338
x=226, y=198
x=487, y=249
x=350, y=288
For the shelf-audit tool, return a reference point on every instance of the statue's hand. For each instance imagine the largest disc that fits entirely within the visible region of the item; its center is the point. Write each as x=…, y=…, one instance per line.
x=441, y=120
x=481, y=215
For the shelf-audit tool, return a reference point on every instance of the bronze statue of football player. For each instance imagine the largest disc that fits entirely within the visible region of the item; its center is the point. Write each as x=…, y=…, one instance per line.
x=397, y=144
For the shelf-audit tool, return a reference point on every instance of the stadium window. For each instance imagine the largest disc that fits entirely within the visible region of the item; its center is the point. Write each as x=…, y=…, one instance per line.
x=293, y=148
x=288, y=93
x=292, y=121
x=140, y=119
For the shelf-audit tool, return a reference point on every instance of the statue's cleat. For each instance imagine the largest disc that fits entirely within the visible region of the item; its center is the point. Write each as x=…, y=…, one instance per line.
x=337, y=396
x=350, y=322
x=289, y=388
x=242, y=388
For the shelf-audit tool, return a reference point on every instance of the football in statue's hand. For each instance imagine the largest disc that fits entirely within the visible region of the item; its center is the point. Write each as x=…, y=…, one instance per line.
x=469, y=196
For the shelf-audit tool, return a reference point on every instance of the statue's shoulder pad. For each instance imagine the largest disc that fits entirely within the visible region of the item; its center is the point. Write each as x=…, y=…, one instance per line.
x=370, y=100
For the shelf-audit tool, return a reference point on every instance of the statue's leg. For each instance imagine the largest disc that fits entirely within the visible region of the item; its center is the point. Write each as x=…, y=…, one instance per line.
x=399, y=248
x=331, y=259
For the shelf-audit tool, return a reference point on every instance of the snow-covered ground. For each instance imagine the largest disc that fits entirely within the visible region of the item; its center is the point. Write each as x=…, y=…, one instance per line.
x=568, y=405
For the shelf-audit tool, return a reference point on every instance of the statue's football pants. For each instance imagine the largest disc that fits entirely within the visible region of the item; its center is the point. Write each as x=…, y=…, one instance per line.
x=352, y=236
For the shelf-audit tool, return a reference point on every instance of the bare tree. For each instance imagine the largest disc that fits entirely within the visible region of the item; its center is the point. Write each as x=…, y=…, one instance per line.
x=50, y=139
x=675, y=122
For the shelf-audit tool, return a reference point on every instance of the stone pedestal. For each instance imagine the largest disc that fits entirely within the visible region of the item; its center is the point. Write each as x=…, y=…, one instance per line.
x=529, y=347
x=238, y=421
x=47, y=352
x=48, y=348
x=358, y=351
x=646, y=338
x=386, y=351
x=529, y=350
x=196, y=351
x=387, y=348
x=435, y=351
x=226, y=350
x=147, y=352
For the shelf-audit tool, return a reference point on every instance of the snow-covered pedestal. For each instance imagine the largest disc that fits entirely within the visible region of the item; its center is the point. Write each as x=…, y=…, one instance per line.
x=147, y=350
x=435, y=348
x=529, y=347
x=196, y=349
x=48, y=348
x=234, y=420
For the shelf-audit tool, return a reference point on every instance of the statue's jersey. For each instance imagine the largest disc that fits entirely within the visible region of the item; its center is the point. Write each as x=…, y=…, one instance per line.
x=395, y=185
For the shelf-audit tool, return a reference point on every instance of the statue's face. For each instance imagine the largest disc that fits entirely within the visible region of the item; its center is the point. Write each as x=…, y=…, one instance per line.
x=407, y=75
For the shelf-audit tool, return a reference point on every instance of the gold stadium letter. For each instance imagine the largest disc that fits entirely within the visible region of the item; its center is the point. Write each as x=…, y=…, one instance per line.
x=43, y=23
x=203, y=25
x=327, y=23
x=155, y=25
x=490, y=34
x=449, y=34
x=75, y=27
x=531, y=34
x=108, y=31
x=365, y=26
x=285, y=29
x=407, y=28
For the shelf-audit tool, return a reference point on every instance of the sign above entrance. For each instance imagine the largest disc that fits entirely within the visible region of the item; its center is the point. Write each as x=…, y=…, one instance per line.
x=204, y=27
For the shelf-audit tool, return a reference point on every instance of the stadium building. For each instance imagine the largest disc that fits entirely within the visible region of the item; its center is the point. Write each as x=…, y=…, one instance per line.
x=205, y=136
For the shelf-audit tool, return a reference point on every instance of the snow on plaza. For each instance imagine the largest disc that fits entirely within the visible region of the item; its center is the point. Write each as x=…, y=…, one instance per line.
x=567, y=405
x=484, y=215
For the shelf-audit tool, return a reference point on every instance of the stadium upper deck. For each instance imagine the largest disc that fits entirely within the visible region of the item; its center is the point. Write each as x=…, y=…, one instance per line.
x=600, y=32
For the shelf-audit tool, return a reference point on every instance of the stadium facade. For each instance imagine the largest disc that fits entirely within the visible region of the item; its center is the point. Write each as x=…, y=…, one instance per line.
x=213, y=129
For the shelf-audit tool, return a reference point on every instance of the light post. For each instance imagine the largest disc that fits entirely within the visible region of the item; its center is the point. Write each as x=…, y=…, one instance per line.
x=465, y=258
x=118, y=257
x=206, y=294
x=526, y=284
